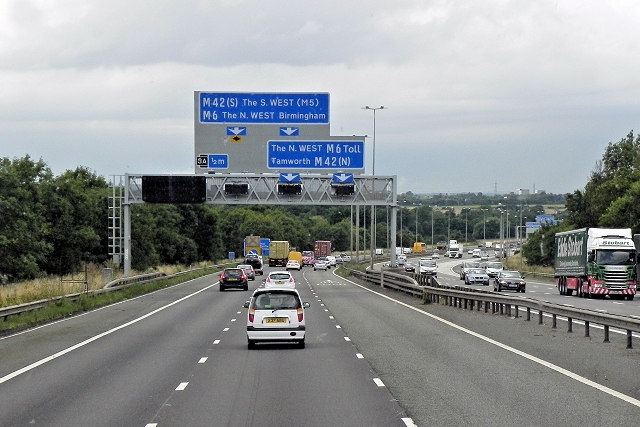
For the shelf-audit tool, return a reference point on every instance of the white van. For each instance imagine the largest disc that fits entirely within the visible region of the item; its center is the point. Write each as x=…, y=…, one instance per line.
x=476, y=253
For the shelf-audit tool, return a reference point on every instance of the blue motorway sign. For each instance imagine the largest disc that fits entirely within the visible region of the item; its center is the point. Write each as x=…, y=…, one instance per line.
x=264, y=108
x=213, y=161
x=315, y=155
x=343, y=178
x=290, y=177
x=236, y=130
x=290, y=131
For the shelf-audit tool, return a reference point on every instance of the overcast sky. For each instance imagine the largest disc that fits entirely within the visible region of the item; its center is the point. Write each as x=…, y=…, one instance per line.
x=481, y=94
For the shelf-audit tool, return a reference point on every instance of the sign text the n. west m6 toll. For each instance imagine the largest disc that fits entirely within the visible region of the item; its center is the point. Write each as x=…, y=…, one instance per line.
x=316, y=155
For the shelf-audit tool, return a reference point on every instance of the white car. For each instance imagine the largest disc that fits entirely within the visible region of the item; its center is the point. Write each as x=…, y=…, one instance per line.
x=276, y=315
x=279, y=279
x=321, y=264
x=428, y=267
x=292, y=264
x=493, y=268
x=332, y=260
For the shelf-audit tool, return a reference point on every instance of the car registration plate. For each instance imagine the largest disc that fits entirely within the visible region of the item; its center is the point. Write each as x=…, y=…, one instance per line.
x=275, y=320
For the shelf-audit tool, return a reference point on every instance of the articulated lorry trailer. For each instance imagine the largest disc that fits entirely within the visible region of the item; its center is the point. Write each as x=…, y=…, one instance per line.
x=278, y=253
x=595, y=262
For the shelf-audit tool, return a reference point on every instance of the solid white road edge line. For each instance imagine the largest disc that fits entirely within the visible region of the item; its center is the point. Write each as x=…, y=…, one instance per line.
x=535, y=359
x=95, y=338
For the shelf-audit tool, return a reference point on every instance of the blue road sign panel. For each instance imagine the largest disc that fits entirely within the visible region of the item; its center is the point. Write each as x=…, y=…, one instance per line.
x=264, y=108
x=315, y=155
x=343, y=178
x=289, y=177
x=236, y=130
x=212, y=161
x=218, y=161
x=290, y=131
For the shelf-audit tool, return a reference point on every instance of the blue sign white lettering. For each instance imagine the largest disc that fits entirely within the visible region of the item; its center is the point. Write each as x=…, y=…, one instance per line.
x=289, y=131
x=344, y=178
x=289, y=177
x=212, y=161
x=315, y=155
x=265, y=108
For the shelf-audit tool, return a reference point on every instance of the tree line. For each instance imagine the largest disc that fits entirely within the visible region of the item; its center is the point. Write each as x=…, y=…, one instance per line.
x=608, y=200
x=53, y=225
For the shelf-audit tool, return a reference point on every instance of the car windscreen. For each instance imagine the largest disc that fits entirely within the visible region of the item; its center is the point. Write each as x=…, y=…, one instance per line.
x=276, y=301
x=510, y=274
x=279, y=276
x=233, y=273
x=476, y=271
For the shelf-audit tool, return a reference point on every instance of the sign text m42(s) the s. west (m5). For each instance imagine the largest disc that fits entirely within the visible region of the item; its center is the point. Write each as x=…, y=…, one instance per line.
x=296, y=108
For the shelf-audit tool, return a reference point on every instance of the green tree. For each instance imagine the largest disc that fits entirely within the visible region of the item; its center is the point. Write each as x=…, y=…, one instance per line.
x=76, y=211
x=23, y=229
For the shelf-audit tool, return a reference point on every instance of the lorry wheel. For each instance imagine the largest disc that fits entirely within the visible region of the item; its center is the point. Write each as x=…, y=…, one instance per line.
x=580, y=292
x=589, y=294
x=630, y=297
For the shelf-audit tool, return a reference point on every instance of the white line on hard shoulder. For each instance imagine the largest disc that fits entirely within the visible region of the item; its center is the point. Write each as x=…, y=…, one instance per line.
x=182, y=386
x=202, y=360
x=378, y=382
x=530, y=357
x=408, y=422
x=97, y=337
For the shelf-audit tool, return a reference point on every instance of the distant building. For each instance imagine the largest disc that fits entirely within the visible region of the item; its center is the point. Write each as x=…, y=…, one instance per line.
x=540, y=192
x=523, y=191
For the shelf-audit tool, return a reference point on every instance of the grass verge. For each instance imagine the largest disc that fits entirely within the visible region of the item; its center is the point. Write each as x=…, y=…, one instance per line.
x=65, y=307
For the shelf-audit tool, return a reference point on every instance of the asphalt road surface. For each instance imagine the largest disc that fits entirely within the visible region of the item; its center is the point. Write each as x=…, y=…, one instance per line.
x=178, y=357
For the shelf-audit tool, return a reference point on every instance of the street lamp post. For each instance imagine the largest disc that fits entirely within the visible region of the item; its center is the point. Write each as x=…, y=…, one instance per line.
x=373, y=170
x=466, y=212
x=416, y=224
x=484, y=225
x=401, y=246
x=432, y=227
x=448, y=225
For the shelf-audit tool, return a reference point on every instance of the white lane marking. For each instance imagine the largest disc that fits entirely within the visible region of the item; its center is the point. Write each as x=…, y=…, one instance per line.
x=225, y=329
x=216, y=342
x=359, y=356
x=182, y=386
x=233, y=320
x=408, y=422
x=331, y=317
x=97, y=337
x=378, y=382
x=530, y=357
x=338, y=327
x=347, y=339
x=326, y=309
x=152, y=425
x=202, y=360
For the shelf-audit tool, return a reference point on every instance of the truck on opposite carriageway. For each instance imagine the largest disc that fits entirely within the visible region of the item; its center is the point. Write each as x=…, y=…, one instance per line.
x=595, y=262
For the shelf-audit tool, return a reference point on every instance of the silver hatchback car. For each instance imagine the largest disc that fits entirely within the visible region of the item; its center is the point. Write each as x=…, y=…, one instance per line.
x=276, y=315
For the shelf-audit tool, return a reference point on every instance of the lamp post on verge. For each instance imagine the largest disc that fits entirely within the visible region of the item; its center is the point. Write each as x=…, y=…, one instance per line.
x=373, y=173
x=432, y=227
x=484, y=225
